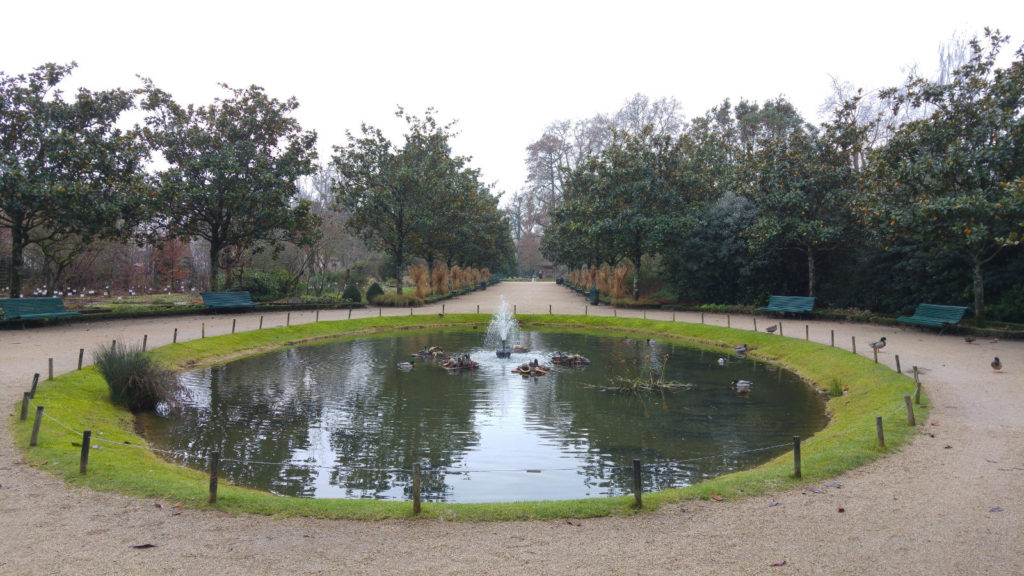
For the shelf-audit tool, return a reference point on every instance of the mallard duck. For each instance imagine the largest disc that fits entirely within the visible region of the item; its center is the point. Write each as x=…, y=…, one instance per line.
x=741, y=386
x=406, y=365
x=968, y=338
x=771, y=329
x=996, y=364
x=741, y=349
x=878, y=345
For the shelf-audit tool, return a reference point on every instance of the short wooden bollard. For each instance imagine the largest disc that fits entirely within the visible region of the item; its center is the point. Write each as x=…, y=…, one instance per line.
x=797, y=473
x=51, y=369
x=515, y=308
x=917, y=394
x=261, y=322
x=477, y=308
x=807, y=332
x=910, y=410
x=755, y=323
x=645, y=314
x=638, y=484
x=233, y=321
x=586, y=310
x=780, y=328
x=380, y=311
x=410, y=311
x=853, y=344
x=728, y=321
x=35, y=383
x=214, y=470
x=442, y=309
x=175, y=339
x=881, y=432
x=81, y=354
x=416, y=488
x=86, y=441
x=317, y=316
x=145, y=339
x=350, y=313
x=549, y=309
x=701, y=317
x=288, y=319
x=35, y=426
x=898, y=371
x=875, y=350
x=916, y=380
x=673, y=316
x=833, y=332
x=615, y=312
x=202, y=333
x=24, y=406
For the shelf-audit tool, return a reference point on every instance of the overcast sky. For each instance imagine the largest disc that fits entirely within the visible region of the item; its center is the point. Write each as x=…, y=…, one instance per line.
x=503, y=70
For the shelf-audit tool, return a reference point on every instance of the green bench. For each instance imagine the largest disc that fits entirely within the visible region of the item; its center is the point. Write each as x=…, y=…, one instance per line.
x=795, y=304
x=935, y=315
x=228, y=300
x=34, y=308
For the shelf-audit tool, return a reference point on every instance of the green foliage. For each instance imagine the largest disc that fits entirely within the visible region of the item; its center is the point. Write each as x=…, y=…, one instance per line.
x=835, y=388
x=373, y=293
x=232, y=170
x=398, y=300
x=134, y=380
x=351, y=294
x=264, y=285
x=68, y=173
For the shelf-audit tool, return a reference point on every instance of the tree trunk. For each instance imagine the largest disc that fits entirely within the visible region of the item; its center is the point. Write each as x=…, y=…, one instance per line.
x=810, y=272
x=979, y=292
x=399, y=256
x=636, y=275
x=214, y=265
x=18, y=242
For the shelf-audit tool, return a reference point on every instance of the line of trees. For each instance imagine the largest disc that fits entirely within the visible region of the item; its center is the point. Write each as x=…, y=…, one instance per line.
x=229, y=176
x=909, y=194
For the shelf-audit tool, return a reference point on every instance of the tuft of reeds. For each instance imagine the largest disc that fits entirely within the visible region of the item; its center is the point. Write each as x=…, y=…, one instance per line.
x=134, y=380
x=420, y=275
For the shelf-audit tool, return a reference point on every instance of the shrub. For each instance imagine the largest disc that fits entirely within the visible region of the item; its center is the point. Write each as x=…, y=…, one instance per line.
x=264, y=285
x=373, y=293
x=134, y=380
x=399, y=300
x=835, y=388
x=351, y=294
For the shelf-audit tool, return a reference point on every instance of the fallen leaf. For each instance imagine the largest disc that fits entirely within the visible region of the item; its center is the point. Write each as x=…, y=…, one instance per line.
x=841, y=510
x=141, y=546
x=947, y=446
x=716, y=497
x=931, y=434
x=779, y=563
x=159, y=505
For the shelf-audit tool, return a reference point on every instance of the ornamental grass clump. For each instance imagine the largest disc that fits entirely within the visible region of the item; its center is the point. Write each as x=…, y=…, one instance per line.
x=135, y=381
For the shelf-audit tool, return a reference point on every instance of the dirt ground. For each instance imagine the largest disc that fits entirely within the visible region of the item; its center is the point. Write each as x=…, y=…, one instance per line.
x=951, y=502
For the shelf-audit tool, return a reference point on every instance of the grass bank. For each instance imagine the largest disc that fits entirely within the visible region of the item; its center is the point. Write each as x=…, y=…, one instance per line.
x=121, y=461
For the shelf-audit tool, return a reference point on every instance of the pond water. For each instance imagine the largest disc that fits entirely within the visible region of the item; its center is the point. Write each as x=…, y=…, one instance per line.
x=342, y=420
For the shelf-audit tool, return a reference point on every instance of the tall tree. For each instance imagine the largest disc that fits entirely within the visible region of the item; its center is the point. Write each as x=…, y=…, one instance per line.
x=389, y=190
x=66, y=169
x=233, y=170
x=947, y=180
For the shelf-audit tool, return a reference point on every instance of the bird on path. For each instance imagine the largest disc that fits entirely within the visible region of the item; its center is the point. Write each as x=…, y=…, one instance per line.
x=997, y=365
x=878, y=345
x=968, y=338
x=771, y=329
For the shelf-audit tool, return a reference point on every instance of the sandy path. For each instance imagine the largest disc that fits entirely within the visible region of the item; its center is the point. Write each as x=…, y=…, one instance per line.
x=952, y=504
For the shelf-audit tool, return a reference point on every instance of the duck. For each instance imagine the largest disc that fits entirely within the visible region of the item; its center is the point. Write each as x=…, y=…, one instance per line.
x=721, y=361
x=406, y=365
x=996, y=364
x=771, y=329
x=878, y=345
x=741, y=349
x=968, y=338
x=742, y=386
x=651, y=341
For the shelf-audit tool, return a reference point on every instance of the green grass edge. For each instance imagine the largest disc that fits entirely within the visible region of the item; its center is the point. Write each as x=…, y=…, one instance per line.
x=124, y=464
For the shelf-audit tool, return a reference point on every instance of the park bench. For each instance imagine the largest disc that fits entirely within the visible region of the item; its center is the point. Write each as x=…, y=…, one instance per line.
x=935, y=315
x=34, y=308
x=796, y=304
x=228, y=300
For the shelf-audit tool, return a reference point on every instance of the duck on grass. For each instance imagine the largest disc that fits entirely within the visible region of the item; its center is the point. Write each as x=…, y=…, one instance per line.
x=642, y=378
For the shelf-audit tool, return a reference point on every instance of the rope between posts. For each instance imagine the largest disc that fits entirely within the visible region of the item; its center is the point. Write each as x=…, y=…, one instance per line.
x=844, y=432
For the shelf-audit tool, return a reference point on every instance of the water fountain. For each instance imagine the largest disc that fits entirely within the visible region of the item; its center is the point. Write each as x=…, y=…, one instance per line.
x=503, y=330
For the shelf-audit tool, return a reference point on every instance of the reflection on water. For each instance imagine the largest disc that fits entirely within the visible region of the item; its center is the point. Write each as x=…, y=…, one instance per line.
x=341, y=420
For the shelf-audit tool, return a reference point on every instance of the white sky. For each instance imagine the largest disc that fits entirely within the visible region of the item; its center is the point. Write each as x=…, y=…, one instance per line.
x=503, y=70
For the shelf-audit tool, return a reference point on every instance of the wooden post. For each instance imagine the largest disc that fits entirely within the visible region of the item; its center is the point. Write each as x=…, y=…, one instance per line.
x=875, y=350
x=477, y=308
x=638, y=484
x=203, y=333
x=410, y=311
x=917, y=394
x=113, y=344
x=910, y=410
x=853, y=344
x=780, y=328
x=833, y=338
x=51, y=370
x=317, y=316
x=380, y=311
x=898, y=371
x=24, y=406
x=797, y=473
x=214, y=470
x=233, y=320
x=261, y=320
x=645, y=314
x=586, y=310
x=615, y=312
x=175, y=339
x=755, y=323
x=350, y=312
x=442, y=308
x=881, y=433
x=515, y=309
x=416, y=488
x=86, y=441
x=916, y=380
x=35, y=426
x=288, y=319
x=701, y=317
x=35, y=382
x=81, y=354
x=145, y=339
x=549, y=309
x=807, y=331
x=673, y=316
x=728, y=321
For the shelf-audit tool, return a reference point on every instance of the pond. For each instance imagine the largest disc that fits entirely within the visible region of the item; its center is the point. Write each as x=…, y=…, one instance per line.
x=342, y=420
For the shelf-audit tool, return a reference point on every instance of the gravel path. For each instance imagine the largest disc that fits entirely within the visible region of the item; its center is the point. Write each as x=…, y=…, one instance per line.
x=951, y=502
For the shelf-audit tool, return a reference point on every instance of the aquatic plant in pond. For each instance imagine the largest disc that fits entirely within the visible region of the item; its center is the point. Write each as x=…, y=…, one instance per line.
x=341, y=420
